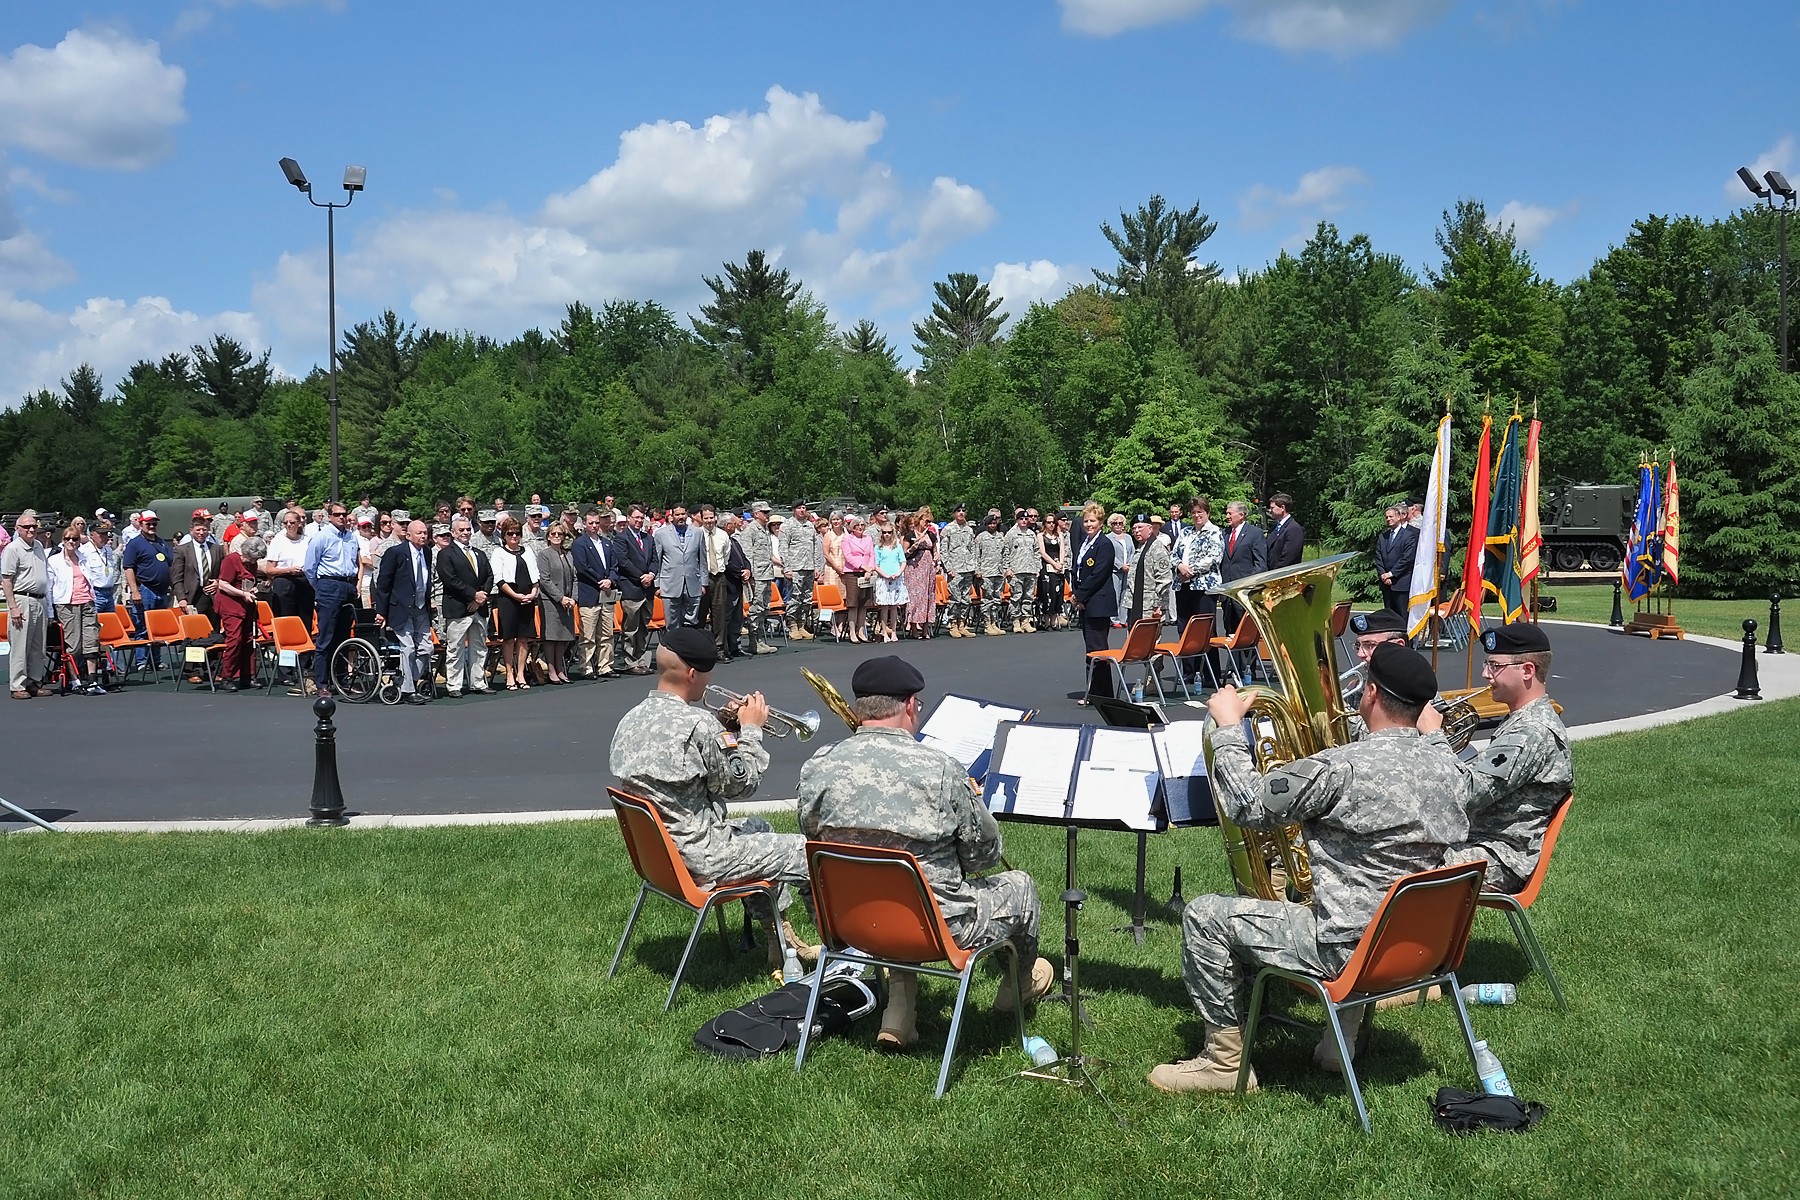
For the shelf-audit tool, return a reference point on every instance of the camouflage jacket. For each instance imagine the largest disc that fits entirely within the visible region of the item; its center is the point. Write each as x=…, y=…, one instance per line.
x=956, y=548
x=799, y=546
x=882, y=788
x=1373, y=810
x=681, y=759
x=1019, y=552
x=1513, y=788
x=1154, y=565
x=759, y=548
x=990, y=554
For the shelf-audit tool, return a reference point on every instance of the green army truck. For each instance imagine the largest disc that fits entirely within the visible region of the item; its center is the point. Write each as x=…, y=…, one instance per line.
x=1586, y=524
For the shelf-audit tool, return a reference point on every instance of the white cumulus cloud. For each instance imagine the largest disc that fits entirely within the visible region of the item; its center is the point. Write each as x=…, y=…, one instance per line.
x=1319, y=193
x=1529, y=222
x=98, y=98
x=1020, y=285
x=1334, y=26
x=108, y=334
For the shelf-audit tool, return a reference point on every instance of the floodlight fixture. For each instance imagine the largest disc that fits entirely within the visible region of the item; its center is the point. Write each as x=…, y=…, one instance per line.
x=1753, y=183
x=1779, y=185
x=295, y=175
x=354, y=178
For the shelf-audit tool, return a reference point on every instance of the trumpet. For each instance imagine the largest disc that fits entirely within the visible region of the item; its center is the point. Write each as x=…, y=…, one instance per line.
x=1460, y=717
x=721, y=701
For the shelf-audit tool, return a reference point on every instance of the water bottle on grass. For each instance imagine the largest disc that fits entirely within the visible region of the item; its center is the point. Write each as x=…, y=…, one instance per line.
x=1493, y=1076
x=1489, y=993
x=1040, y=1052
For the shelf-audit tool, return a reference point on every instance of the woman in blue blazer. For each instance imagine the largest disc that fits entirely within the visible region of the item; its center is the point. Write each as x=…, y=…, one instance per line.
x=1093, y=592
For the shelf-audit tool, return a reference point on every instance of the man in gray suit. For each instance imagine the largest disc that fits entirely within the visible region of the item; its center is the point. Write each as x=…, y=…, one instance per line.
x=681, y=575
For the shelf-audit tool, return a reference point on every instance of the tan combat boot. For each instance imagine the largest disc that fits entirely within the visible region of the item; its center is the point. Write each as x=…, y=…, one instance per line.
x=1214, y=1070
x=774, y=935
x=1043, y=978
x=996, y=630
x=900, y=1019
x=1325, y=1054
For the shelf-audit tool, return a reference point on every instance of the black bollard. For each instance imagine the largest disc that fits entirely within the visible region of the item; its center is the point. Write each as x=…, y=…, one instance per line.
x=1747, y=688
x=1617, y=620
x=327, y=794
x=1773, y=646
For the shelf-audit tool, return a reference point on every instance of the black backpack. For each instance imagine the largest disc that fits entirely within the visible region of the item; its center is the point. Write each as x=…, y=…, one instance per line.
x=770, y=1024
x=1457, y=1111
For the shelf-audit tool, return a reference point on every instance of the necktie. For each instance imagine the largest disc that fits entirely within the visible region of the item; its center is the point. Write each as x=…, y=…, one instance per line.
x=203, y=563
x=418, y=579
x=1232, y=549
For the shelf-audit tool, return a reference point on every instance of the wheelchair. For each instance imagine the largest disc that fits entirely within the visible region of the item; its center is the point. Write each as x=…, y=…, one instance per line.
x=366, y=665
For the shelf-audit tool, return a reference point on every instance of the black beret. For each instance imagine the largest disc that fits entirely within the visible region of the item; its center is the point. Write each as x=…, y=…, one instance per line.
x=1382, y=620
x=1402, y=673
x=960, y=508
x=889, y=675
x=1415, y=501
x=1521, y=637
x=692, y=646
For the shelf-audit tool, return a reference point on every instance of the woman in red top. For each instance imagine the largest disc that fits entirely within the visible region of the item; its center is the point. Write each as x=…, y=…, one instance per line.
x=235, y=604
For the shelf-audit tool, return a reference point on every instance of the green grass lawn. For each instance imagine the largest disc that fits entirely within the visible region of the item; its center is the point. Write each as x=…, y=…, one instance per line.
x=425, y=1012
x=1719, y=618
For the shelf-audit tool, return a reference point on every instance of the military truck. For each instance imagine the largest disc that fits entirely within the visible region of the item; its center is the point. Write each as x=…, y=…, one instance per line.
x=1586, y=524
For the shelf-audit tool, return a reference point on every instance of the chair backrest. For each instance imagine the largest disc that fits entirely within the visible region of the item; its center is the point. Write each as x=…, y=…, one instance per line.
x=1194, y=637
x=1140, y=641
x=291, y=634
x=195, y=627
x=943, y=591
x=1420, y=929
x=1340, y=618
x=163, y=624
x=265, y=618
x=111, y=628
x=876, y=899
x=1529, y=892
x=828, y=596
x=652, y=850
x=1244, y=637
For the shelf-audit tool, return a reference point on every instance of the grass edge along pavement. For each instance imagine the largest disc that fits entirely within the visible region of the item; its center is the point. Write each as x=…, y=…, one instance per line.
x=426, y=1012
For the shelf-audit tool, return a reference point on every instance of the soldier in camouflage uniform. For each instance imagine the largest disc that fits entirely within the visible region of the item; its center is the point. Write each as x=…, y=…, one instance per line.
x=956, y=555
x=1513, y=787
x=685, y=762
x=1372, y=630
x=990, y=573
x=765, y=569
x=1372, y=811
x=484, y=540
x=801, y=555
x=1020, y=564
x=1147, y=586
x=883, y=788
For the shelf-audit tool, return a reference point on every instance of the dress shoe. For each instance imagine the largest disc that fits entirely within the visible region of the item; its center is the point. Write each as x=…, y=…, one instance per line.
x=416, y=698
x=21, y=695
x=480, y=691
x=453, y=694
x=230, y=685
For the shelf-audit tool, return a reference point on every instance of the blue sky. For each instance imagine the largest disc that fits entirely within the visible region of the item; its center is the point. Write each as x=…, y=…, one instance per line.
x=524, y=155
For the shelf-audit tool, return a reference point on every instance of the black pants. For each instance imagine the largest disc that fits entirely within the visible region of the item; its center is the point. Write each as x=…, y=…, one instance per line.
x=713, y=613
x=1094, y=634
x=1203, y=605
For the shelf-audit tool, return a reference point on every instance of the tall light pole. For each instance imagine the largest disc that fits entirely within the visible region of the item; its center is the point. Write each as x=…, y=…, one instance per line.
x=1774, y=184
x=354, y=178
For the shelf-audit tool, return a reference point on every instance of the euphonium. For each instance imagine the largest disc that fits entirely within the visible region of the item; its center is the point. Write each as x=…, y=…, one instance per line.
x=1291, y=608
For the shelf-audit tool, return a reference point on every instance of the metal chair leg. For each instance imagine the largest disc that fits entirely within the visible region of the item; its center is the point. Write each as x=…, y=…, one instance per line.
x=626, y=936
x=687, y=952
x=1462, y=1017
x=956, y=1019
x=812, y=1007
x=1534, y=950
x=1348, y=1063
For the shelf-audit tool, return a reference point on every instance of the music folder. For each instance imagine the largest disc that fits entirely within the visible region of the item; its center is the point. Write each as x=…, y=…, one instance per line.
x=964, y=728
x=1074, y=774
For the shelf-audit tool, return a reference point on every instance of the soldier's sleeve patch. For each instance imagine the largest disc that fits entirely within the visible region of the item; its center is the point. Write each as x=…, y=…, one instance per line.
x=738, y=770
x=1278, y=786
x=727, y=740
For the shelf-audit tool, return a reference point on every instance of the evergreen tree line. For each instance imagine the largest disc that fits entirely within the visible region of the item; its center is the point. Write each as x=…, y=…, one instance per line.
x=1322, y=375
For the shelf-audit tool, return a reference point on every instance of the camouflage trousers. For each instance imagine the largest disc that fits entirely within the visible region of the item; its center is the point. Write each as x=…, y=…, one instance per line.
x=1006, y=905
x=760, y=592
x=1023, y=605
x=991, y=587
x=962, y=596
x=800, y=611
x=1225, y=940
x=756, y=851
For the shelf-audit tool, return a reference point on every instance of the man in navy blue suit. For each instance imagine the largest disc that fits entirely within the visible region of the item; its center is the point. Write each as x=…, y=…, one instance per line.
x=402, y=597
x=1091, y=586
x=1287, y=537
x=637, y=589
x=596, y=560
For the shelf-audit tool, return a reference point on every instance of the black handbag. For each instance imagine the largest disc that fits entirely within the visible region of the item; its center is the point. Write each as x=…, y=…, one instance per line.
x=1457, y=1111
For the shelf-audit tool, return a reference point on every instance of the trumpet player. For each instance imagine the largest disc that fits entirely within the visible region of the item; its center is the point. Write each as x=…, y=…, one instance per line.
x=1372, y=811
x=1512, y=788
x=683, y=759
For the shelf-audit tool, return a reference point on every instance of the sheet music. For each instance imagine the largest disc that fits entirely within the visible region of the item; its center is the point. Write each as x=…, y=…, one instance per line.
x=1042, y=759
x=1182, y=747
x=1131, y=749
x=964, y=728
x=1117, y=793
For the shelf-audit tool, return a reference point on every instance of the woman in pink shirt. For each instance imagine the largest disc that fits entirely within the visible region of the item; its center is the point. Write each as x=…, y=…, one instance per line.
x=859, y=575
x=73, y=597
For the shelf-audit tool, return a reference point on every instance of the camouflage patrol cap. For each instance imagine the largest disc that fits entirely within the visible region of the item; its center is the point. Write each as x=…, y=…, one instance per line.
x=1402, y=673
x=1382, y=620
x=693, y=647
x=1521, y=637
x=889, y=675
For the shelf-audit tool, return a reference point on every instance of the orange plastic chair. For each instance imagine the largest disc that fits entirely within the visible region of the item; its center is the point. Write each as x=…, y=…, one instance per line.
x=163, y=628
x=265, y=621
x=875, y=908
x=1415, y=939
x=658, y=864
x=1515, y=905
x=290, y=634
x=828, y=597
x=196, y=632
x=1139, y=649
x=943, y=591
x=115, y=635
x=1245, y=637
x=1340, y=625
x=1195, y=637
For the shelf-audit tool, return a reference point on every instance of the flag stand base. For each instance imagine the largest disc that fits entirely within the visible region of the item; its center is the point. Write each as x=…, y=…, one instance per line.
x=1655, y=625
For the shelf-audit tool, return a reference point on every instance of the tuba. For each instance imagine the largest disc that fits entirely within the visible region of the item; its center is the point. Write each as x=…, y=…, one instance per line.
x=1291, y=608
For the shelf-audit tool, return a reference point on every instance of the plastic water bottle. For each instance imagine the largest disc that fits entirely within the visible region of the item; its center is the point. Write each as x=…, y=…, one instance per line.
x=1493, y=1076
x=791, y=971
x=1489, y=993
x=1040, y=1052
x=1137, y=694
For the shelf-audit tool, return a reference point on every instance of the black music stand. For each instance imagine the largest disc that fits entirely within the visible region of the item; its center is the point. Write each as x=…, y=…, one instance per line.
x=1124, y=714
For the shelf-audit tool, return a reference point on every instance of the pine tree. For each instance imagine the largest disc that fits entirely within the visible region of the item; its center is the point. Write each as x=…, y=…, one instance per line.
x=962, y=318
x=750, y=304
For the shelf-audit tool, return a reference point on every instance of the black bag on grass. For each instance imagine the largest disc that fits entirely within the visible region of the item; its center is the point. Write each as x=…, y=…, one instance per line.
x=770, y=1024
x=1457, y=1111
